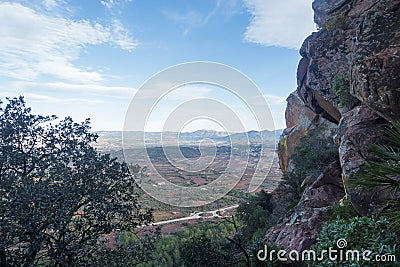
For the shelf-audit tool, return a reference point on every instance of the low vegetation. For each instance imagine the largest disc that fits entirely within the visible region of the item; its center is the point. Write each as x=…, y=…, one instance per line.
x=254, y=216
x=198, y=245
x=313, y=154
x=342, y=210
x=357, y=234
x=336, y=22
x=378, y=233
x=341, y=87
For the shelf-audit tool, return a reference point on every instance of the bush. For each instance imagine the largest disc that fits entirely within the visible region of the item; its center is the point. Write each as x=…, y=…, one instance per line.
x=314, y=153
x=343, y=210
x=336, y=22
x=360, y=233
x=204, y=244
x=341, y=87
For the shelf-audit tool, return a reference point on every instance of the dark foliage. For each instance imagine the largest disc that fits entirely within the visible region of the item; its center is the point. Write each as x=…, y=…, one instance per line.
x=254, y=216
x=59, y=196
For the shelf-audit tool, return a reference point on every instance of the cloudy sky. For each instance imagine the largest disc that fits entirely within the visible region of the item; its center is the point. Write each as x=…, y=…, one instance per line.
x=88, y=58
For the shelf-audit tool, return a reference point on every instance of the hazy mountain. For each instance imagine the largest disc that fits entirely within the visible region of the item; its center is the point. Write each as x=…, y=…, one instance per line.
x=113, y=139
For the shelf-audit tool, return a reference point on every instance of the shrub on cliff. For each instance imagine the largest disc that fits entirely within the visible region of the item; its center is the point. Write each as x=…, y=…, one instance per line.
x=342, y=210
x=341, y=87
x=356, y=235
x=314, y=153
x=336, y=22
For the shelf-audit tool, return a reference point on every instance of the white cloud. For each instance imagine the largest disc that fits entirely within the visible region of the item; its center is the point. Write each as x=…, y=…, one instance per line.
x=114, y=3
x=35, y=44
x=99, y=90
x=59, y=100
x=121, y=36
x=63, y=69
x=49, y=3
x=108, y=3
x=284, y=23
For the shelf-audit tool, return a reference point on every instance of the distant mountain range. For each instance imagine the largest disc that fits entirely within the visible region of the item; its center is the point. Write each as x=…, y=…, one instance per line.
x=112, y=139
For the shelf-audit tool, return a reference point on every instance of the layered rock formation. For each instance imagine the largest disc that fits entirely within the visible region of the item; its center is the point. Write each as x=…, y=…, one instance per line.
x=358, y=43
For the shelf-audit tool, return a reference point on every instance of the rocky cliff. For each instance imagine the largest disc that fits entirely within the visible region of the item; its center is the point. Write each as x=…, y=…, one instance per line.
x=348, y=86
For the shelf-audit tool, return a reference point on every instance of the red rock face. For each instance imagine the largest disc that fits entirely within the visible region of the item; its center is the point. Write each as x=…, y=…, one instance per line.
x=299, y=120
x=325, y=8
x=375, y=75
x=358, y=40
x=300, y=230
x=362, y=127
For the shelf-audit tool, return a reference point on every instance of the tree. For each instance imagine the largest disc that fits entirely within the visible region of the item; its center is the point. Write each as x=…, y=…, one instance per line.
x=58, y=196
x=254, y=215
x=202, y=250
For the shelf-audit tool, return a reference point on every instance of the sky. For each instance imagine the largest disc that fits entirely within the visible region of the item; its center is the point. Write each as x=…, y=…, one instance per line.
x=88, y=58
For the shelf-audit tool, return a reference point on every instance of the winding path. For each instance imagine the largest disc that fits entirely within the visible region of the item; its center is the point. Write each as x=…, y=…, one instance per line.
x=197, y=215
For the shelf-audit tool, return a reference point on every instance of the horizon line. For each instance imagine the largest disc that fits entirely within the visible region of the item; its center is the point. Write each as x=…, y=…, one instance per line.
x=206, y=130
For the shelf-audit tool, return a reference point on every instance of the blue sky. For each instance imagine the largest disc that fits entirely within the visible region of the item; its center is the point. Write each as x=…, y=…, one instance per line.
x=87, y=58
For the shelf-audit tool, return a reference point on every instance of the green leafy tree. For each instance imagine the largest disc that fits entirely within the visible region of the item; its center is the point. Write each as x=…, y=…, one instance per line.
x=202, y=250
x=254, y=216
x=130, y=251
x=58, y=195
x=206, y=244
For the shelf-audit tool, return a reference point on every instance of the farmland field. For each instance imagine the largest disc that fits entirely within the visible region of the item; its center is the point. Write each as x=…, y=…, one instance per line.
x=200, y=159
